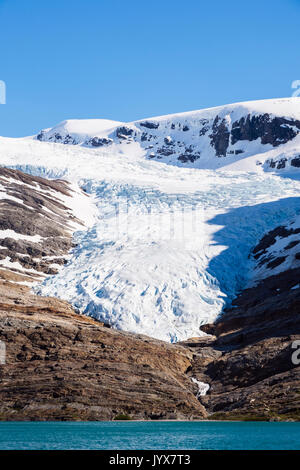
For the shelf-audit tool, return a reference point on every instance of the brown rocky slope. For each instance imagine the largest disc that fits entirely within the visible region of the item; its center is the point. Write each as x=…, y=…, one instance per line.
x=258, y=373
x=60, y=365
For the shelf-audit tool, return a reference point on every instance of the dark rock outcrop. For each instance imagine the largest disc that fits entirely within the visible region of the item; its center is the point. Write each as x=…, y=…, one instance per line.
x=124, y=132
x=295, y=162
x=57, y=138
x=256, y=377
x=220, y=137
x=271, y=130
x=149, y=124
x=188, y=157
x=99, y=141
x=165, y=151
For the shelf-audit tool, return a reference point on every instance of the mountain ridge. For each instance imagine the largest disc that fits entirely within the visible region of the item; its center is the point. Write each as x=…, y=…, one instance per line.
x=194, y=138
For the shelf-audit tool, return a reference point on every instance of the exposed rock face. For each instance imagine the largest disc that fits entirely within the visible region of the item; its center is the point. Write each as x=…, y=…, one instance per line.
x=279, y=164
x=223, y=134
x=188, y=157
x=61, y=365
x=288, y=162
x=150, y=125
x=220, y=137
x=296, y=162
x=124, y=132
x=98, y=142
x=165, y=151
x=271, y=130
x=35, y=223
x=255, y=376
x=57, y=138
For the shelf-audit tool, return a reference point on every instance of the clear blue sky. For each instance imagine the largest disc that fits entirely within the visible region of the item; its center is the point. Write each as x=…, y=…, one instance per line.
x=131, y=59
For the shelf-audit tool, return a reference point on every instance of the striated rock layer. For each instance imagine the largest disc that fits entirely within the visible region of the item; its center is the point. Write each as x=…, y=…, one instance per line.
x=63, y=366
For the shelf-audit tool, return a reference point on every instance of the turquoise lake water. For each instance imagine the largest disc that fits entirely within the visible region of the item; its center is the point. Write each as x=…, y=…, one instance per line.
x=149, y=435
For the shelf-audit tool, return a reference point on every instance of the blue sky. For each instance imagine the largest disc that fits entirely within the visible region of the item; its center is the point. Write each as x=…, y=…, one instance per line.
x=128, y=60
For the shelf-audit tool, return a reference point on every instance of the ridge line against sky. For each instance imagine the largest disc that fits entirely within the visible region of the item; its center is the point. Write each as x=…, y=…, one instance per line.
x=101, y=59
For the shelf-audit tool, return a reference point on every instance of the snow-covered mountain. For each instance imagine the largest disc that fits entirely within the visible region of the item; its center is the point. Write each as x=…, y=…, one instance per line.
x=77, y=131
x=179, y=202
x=208, y=138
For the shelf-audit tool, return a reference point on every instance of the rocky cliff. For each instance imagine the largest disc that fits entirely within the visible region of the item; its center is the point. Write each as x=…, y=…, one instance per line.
x=257, y=374
x=63, y=366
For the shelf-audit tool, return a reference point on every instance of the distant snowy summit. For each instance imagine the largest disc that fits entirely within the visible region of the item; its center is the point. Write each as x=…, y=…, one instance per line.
x=78, y=131
x=200, y=139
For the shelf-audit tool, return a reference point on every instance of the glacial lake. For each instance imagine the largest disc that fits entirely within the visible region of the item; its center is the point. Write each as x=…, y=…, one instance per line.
x=149, y=435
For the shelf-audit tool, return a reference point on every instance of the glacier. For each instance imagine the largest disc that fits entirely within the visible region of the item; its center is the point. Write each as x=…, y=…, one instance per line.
x=166, y=246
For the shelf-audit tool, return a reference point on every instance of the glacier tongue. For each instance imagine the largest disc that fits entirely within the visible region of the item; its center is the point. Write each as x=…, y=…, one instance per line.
x=162, y=263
